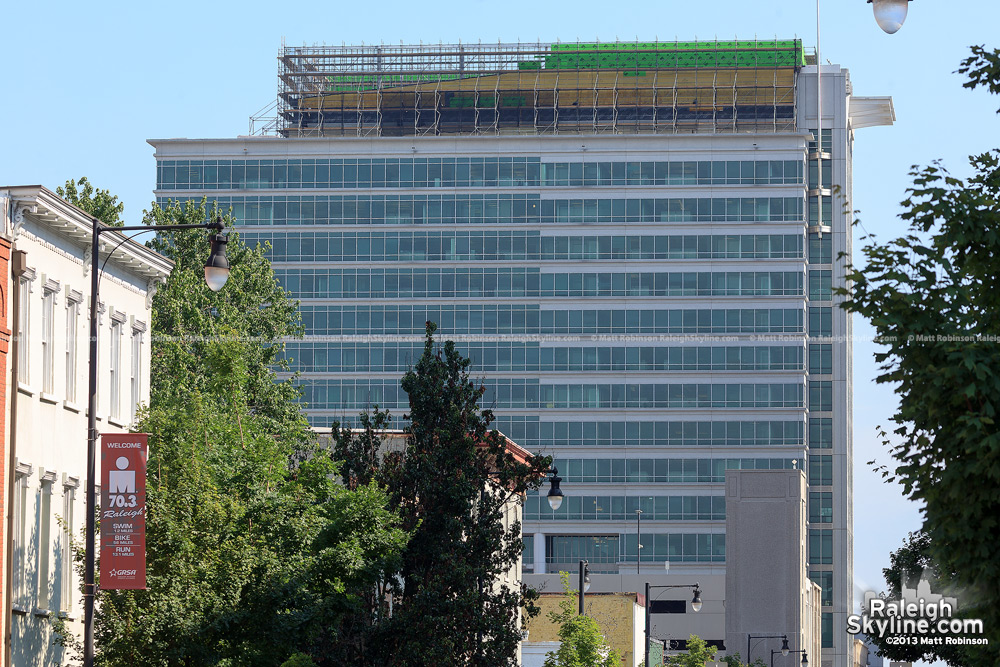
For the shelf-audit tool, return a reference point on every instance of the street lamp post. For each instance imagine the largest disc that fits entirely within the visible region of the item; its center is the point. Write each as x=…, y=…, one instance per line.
x=695, y=607
x=555, y=499
x=805, y=658
x=638, y=541
x=216, y=274
x=783, y=638
x=584, y=582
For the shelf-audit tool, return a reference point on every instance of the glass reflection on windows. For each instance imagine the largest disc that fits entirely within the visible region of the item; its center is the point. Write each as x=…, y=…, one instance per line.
x=250, y=174
x=326, y=320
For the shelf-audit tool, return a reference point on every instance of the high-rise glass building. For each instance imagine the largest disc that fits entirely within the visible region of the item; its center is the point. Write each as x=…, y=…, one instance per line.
x=636, y=243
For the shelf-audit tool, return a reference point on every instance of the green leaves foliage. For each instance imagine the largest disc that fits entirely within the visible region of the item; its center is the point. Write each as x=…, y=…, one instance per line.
x=451, y=484
x=698, y=653
x=247, y=560
x=252, y=311
x=582, y=644
x=933, y=299
x=983, y=68
x=735, y=660
x=908, y=565
x=99, y=203
x=253, y=550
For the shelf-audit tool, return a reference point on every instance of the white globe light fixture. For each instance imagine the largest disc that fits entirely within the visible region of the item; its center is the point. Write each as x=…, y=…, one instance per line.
x=696, y=599
x=555, y=495
x=890, y=14
x=217, y=266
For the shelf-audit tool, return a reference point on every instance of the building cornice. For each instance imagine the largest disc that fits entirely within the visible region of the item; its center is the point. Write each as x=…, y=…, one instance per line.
x=488, y=145
x=84, y=262
x=71, y=222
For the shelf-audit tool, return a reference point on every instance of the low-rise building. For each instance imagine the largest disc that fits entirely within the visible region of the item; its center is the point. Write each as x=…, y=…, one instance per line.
x=619, y=615
x=46, y=299
x=764, y=590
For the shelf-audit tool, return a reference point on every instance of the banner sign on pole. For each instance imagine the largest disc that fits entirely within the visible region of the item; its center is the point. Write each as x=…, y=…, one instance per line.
x=123, y=510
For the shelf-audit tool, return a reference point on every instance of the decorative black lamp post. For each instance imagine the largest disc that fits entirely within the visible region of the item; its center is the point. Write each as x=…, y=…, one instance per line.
x=216, y=274
x=785, y=651
x=555, y=498
x=638, y=541
x=783, y=638
x=584, y=582
x=695, y=607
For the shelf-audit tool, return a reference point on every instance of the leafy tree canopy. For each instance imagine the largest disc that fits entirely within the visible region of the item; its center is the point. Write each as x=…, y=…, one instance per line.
x=907, y=566
x=932, y=297
x=451, y=484
x=99, y=203
x=736, y=660
x=252, y=311
x=698, y=653
x=253, y=549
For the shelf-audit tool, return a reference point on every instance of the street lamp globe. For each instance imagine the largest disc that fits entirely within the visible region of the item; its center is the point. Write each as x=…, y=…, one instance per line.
x=217, y=266
x=555, y=495
x=696, y=600
x=555, y=500
x=890, y=14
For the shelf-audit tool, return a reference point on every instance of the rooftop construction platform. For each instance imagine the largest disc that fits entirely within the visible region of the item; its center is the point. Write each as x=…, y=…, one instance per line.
x=567, y=87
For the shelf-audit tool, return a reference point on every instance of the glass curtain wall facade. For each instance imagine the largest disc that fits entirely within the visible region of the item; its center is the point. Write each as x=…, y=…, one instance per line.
x=650, y=310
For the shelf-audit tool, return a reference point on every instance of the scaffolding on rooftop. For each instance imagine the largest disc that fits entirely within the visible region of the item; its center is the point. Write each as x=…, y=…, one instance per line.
x=529, y=89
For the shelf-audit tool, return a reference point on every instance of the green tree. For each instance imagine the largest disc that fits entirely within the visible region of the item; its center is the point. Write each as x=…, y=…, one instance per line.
x=931, y=296
x=907, y=565
x=736, y=660
x=252, y=548
x=698, y=653
x=246, y=562
x=253, y=311
x=451, y=484
x=99, y=203
x=299, y=660
x=582, y=644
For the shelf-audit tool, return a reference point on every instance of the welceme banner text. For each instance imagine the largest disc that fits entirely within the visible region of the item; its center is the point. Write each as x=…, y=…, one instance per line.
x=123, y=510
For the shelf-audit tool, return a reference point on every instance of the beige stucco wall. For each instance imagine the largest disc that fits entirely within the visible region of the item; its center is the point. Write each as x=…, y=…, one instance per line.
x=615, y=613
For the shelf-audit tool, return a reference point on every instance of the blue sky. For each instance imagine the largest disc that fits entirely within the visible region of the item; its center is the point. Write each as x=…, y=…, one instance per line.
x=85, y=84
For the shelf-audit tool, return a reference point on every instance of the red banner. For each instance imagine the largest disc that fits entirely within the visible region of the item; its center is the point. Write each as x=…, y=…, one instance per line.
x=123, y=510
